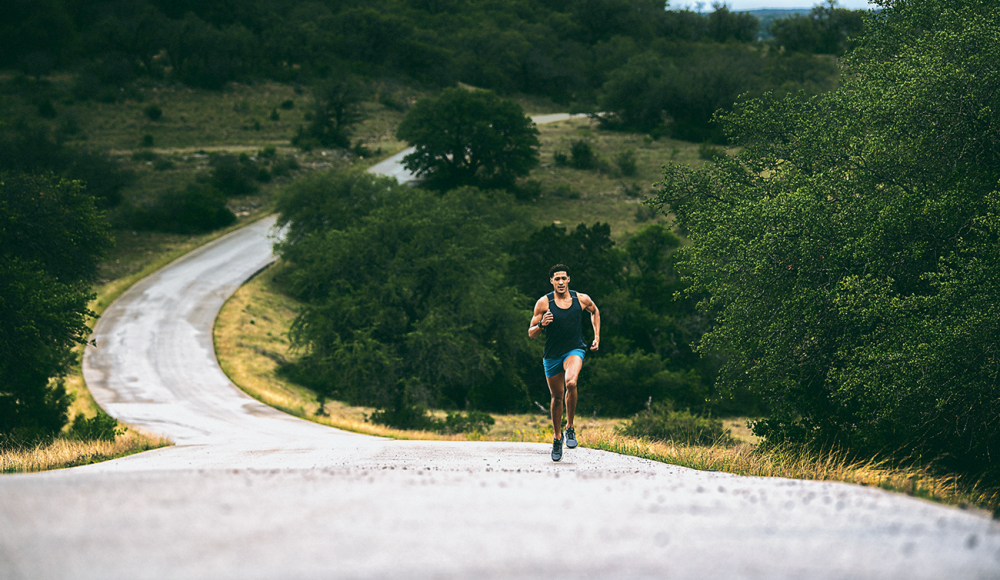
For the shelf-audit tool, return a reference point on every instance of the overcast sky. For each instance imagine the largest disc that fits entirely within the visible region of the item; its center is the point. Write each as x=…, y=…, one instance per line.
x=738, y=5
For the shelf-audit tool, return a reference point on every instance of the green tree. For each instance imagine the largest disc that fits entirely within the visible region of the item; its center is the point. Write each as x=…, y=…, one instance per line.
x=51, y=238
x=827, y=29
x=850, y=251
x=405, y=303
x=469, y=138
x=336, y=109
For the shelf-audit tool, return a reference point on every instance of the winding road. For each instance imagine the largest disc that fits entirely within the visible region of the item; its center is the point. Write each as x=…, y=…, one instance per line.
x=250, y=492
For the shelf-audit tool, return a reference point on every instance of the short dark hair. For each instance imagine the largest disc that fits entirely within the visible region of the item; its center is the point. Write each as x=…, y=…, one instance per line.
x=558, y=268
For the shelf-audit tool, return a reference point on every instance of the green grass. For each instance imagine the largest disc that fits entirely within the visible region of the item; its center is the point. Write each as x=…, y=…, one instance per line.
x=603, y=196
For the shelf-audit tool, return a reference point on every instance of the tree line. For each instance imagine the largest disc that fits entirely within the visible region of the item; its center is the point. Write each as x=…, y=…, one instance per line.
x=581, y=53
x=850, y=251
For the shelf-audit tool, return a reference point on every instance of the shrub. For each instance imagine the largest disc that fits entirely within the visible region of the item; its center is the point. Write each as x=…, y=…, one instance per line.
x=147, y=140
x=619, y=384
x=560, y=158
x=233, y=175
x=195, y=209
x=268, y=152
x=626, y=162
x=163, y=165
x=101, y=427
x=274, y=115
x=661, y=421
x=583, y=155
x=284, y=167
x=530, y=190
x=153, y=112
x=46, y=109
x=709, y=152
x=471, y=422
x=288, y=104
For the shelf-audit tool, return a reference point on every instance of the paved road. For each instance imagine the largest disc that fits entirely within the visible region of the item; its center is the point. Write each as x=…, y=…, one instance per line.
x=249, y=492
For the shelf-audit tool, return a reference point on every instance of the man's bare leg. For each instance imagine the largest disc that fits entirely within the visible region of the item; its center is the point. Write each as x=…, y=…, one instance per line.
x=558, y=390
x=572, y=366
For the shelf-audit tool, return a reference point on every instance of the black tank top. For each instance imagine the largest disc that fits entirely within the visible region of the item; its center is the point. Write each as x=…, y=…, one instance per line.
x=565, y=332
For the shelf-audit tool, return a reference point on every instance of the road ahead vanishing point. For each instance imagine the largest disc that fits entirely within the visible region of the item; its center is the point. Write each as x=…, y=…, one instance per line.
x=249, y=492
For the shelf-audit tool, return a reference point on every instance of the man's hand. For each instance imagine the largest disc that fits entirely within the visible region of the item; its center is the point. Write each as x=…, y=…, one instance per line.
x=596, y=344
x=546, y=318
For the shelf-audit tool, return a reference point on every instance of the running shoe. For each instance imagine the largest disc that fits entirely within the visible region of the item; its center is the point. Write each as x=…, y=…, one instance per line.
x=570, y=438
x=556, y=449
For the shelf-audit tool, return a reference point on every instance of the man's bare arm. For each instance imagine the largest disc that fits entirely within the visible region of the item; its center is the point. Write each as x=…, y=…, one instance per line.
x=542, y=317
x=595, y=319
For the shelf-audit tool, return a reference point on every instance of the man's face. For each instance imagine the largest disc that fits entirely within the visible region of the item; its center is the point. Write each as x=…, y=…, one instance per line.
x=560, y=281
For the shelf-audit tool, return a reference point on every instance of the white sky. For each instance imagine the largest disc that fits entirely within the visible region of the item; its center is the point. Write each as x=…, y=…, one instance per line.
x=738, y=5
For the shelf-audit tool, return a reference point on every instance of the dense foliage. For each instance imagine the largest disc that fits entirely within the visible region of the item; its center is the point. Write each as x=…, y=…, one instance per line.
x=472, y=138
x=827, y=29
x=405, y=301
x=564, y=50
x=51, y=237
x=33, y=148
x=415, y=299
x=851, y=250
x=646, y=335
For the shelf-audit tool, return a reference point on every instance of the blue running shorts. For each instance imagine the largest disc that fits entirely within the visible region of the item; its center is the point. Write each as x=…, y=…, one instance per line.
x=554, y=366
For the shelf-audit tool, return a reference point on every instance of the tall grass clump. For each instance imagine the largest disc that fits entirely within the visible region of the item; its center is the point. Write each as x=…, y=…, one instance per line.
x=72, y=452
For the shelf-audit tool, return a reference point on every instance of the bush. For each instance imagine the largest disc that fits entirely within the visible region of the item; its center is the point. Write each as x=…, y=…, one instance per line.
x=284, y=167
x=32, y=149
x=709, y=152
x=583, y=155
x=153, y=112
x=620, y=384
x=193, y=210
x=560, y=158
x=46, y=109
x=626, y=162
x=471, y=422
x=101, y=427
x=660, y=421
x=288, y=104
x=233, y=175
x=147, y=140
x=163, y=165
x=530, y=190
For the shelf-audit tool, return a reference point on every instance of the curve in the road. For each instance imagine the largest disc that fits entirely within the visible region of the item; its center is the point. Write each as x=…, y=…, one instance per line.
x=250, y=492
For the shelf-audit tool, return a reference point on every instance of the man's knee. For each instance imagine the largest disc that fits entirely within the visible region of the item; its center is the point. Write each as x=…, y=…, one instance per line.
x=570, y=383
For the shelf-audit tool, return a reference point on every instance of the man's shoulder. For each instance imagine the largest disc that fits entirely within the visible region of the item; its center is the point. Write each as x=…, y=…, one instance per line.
x=543, y=301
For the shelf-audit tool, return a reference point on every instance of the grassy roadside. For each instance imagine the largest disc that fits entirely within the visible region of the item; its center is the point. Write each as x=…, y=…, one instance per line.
x=143, y=255
x=250, y=343
x=63, y=453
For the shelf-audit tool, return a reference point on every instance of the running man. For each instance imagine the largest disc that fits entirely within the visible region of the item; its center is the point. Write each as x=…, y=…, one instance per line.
x=560, y=314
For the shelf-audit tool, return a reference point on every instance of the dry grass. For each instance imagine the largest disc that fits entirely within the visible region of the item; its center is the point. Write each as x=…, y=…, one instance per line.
x=793, y=463
x=63, y=453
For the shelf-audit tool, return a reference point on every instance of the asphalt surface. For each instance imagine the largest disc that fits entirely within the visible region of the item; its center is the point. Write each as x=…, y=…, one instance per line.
x=249, y=492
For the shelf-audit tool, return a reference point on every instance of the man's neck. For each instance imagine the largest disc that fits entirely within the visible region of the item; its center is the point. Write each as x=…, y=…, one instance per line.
x=564, y=295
